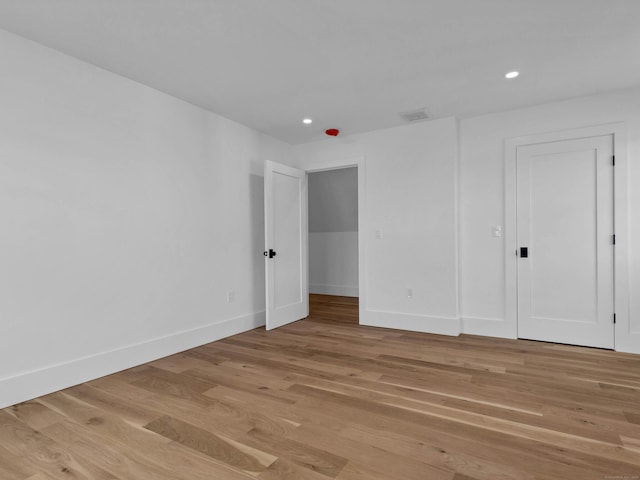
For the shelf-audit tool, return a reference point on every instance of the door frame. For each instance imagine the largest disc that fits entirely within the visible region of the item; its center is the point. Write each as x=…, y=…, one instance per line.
x=358, y=162
x=620, y=219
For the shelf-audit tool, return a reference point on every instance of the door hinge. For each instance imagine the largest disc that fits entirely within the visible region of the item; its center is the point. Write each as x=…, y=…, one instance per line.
x=614, y=318
x=614, y=239
x=613, y=160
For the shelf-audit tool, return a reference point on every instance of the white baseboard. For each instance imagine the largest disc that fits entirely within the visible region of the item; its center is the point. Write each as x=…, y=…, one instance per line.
x=628, y=348
x=35, y=383
x=414, y=323
x=627, y=342
x=489, y=327
x=341, y=290
x=627, y=338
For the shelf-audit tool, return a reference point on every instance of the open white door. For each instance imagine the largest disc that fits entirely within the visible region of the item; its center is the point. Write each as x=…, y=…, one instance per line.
x=285, y=208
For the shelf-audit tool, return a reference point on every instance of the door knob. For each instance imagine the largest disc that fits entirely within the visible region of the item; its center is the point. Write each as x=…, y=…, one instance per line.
x=270, y=253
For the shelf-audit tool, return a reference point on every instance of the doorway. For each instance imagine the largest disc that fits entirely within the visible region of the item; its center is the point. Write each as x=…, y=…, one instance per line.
x=333, y=232
x=336, y=192
x=286, y=241
x=333, y=240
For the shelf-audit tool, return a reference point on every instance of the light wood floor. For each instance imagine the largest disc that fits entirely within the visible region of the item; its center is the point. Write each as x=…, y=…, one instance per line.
x=326, y=398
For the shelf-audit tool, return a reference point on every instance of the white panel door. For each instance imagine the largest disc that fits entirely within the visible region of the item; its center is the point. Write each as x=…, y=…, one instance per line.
x=565, y=221
x=286, y=231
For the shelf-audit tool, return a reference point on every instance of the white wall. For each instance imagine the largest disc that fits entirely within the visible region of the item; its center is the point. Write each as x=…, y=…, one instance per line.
x=482, y=203
x=126, y=217
x=333, y=263
x=410, y=192
x=333, y=232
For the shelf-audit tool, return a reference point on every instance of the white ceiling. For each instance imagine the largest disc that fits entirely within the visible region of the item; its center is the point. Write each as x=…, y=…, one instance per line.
x=349, y=64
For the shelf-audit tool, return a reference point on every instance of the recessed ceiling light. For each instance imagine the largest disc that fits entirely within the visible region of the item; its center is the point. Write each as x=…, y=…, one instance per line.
x=307, y=121
x=512, y=74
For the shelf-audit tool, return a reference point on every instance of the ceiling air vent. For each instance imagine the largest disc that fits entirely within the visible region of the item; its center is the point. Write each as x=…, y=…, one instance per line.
x=414, y=116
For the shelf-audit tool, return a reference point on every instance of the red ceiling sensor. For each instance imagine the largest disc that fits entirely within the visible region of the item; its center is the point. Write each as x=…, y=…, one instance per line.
x=332, y=132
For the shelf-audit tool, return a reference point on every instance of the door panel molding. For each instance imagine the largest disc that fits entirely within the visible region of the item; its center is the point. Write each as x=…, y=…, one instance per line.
x=625, y=340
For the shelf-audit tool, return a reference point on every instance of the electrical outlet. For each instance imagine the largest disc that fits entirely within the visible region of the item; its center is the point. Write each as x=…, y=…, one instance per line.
x=409, y=292
x=231, y=296
x=377, y=235
x=497, y=230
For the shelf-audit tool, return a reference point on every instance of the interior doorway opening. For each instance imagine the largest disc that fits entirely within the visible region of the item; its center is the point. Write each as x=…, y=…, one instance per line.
x=333, y=243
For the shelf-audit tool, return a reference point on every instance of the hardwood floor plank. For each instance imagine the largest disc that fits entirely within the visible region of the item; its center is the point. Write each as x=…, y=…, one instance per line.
x=39, y=476
x=238, y=455
x=118, y=385
x=119, y=406
x=157, y=380
x=370, y=459
x=632, y=417
x=43, y=455
x=34, y=414
x=181, y=362
x=235, y=380
x=12, y=467
x=434, y=455
x=105, y=424
x=302, y=454
x=283, y=469
x=165, y=460
x=257, y=412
